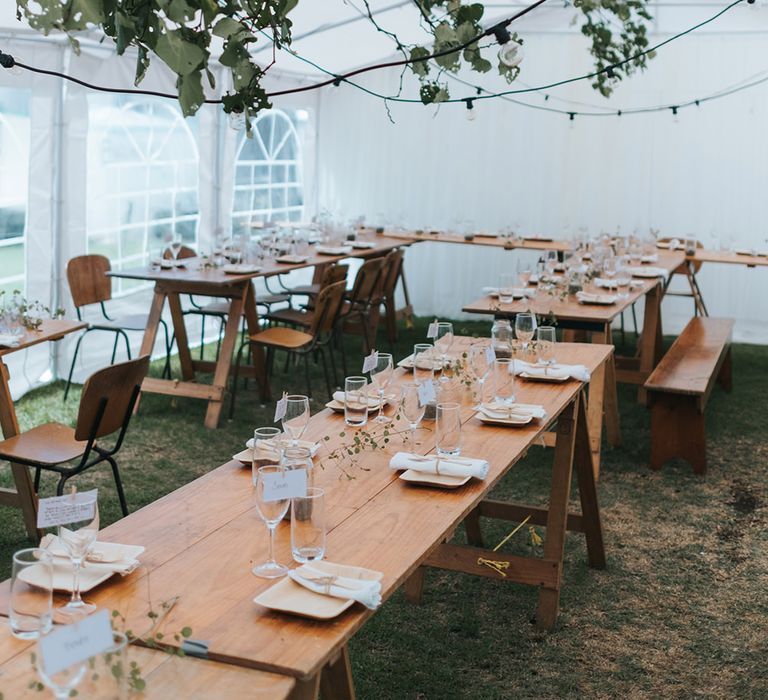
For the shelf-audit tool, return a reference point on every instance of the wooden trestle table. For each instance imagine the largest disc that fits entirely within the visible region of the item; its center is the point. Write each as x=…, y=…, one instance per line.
x=23, y=496
x=203, y=539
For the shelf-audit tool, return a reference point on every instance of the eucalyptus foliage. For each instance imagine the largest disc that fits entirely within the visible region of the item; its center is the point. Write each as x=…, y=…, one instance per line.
x=180, y=33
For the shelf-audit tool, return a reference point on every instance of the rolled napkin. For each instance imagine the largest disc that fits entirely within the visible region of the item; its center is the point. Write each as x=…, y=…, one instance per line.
x=605, y=283
x=9, y=341
x=107, y=556
x=648, y=271
x=493, y=409
x=448, y=466
x=363, y=591
x=373, y=401
x=578, y=372
x=588, y=298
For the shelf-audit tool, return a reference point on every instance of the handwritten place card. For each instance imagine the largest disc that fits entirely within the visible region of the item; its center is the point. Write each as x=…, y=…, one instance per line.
x=371, y=361
x=72, y=644
x=289, y=483
x=432, y=330
x=490, y=354
x=63, y=510
x=280, y=408
x=426, y=393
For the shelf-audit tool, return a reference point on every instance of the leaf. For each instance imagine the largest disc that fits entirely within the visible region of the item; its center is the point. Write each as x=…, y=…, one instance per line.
x=227, y=26
x=186, y=632
x=142, y=63
x=180, y=55
x=191, y=95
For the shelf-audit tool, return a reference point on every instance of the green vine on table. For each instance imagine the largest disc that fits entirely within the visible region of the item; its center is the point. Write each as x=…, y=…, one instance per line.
x=17, y=310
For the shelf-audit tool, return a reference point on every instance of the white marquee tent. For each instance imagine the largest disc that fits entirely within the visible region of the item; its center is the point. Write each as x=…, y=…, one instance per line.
x=88, y=171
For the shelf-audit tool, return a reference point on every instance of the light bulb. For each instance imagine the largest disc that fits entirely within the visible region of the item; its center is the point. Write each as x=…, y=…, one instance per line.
x=511, y=54
x=237, y=120
x=471, y=114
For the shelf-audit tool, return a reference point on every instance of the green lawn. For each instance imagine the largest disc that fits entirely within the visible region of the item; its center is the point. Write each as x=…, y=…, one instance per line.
x=680, y=612
x=11, y=264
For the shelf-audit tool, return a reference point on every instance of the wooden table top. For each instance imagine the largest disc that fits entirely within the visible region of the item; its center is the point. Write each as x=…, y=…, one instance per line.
x=193, y=272
x=203, y=539
x=51, y=329
x=730, y=258
x=166, y=676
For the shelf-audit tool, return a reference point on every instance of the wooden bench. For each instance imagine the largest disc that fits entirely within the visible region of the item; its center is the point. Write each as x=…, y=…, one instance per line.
x=679, y=388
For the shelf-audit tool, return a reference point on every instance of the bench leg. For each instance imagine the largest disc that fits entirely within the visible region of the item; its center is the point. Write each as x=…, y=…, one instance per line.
x=725, y=378
x=677, y=430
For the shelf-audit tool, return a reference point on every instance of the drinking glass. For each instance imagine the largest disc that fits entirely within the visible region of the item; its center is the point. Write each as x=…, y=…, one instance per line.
x=412, y=408
x=381, y=375
x=356, y=401
x=271, y=512
x=299, y=458
x=296, y=418
x=503, y=381
x=61, y=681
x=480, y=363
x=525, y=327
x=546, y=345
x=623, y=280
x=308, y=526
x=506, y=288
x=448, y=430
x=108, y=672
x=78, y=538
x=525, y=275
x=423, y=363
x=29, y=610
x=551, y=262
x=267, y=447
x=444, y=339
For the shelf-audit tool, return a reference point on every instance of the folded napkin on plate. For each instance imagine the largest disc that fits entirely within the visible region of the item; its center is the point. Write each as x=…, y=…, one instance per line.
x=578, y=372
x=493, y=409
x=334, y=250
x=517, y=292
x=373, y=401
x=363, y=591
x=649, y=258
x=604, y=283
x=9, y=341
x=362, y=245
x=449, y=466
x=103, y=555
x=588, y=298
x=648, y=271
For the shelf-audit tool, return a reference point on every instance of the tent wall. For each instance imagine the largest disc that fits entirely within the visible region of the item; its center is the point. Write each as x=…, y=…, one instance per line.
x=701, y=175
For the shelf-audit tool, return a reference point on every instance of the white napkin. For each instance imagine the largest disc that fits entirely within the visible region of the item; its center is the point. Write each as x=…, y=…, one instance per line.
x=361, y=245
x=648, y=271
x=334, y=250
x=517, y=292
x=104, y=556
x=9, y=341
x=587, y=298
x=366, y=592
x=449, y=466
x=649, y=258
x=605, y=283
x=373, y=401
x=492, y=409
x=578, y=372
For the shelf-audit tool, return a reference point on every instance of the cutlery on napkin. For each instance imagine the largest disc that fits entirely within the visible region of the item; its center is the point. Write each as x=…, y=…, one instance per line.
x=103, y=555
x=362, y=245
x=493, y=409
x=333, y=250
x=363, y=591
x=587, y=298
x=373, y=401
x=447, y=466
x=648, y=271
x=578, y=372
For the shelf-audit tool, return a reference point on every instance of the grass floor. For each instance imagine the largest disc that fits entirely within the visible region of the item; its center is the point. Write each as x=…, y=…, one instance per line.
x=680, y=612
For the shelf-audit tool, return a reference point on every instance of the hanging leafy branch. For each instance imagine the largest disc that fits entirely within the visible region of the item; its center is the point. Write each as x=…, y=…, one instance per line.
x=181, y=33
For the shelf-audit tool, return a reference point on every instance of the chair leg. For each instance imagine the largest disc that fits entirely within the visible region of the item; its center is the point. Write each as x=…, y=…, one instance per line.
x=118, y=485
x=306, y=374
x=128, y=342
x=167, y=366
x=38, y=471
x=202, y=336
x=60, y=486
x=72, y=366
x=325, y=373
x=114, y=348
x=218, y=340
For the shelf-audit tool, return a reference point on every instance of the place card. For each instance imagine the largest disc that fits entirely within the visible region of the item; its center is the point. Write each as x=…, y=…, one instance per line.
x=432, y=330
x=290, y=483
x=73, y=644
x=63, y=510
x=280, y=408
x=426, y=392
x=370, y=362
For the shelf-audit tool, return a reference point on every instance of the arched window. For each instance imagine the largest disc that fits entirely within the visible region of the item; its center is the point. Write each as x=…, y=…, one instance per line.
x=14, y=166
x=268, y=177
x=142, y=180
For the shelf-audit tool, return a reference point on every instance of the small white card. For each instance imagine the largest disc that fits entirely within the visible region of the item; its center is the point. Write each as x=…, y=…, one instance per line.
x=432, y=330
x=371, y=361
x=63, y=510
x=72, y=644
x=490, y=354
x=426, y=392
x=280, y=408
x=290, y=483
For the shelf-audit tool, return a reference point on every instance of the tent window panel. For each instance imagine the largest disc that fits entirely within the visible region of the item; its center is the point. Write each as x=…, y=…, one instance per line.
x=267, y=182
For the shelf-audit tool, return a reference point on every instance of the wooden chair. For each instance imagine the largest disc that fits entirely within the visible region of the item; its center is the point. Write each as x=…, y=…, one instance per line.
x=392, y=274
x=106, y=406
x=360, y=312
x=302, y=343
x=89, y=284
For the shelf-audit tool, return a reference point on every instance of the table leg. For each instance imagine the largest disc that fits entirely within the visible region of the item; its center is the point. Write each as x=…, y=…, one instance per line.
x=150, y=332
x=180, y=331
x=306, y=689
x=650, y=340
x=603, y=402
x=24, y=496
x=259, y=359
x=336, y=678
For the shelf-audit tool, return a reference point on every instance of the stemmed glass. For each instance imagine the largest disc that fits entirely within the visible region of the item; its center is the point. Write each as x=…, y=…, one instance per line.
x=444, y=339
x=381, y=375
x=78, y=538
x=413, y=410
x=271, y=512
x=525, y=327
x=63, y=681
x=175, y=246
x=296, y=418
x=480, y=363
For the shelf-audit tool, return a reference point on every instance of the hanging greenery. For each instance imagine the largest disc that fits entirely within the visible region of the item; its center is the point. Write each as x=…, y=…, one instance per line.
x=180, y=33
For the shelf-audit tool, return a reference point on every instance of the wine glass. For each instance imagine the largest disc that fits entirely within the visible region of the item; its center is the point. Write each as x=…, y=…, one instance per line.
x=62, y=681
x=175, y=246
x=78, y=538
x=423, y=363
x=525, y=327
x=412, y=408
x=296, y=418
x=271, y=512
x=480, y=362
x=444, y=339
x=381, y=375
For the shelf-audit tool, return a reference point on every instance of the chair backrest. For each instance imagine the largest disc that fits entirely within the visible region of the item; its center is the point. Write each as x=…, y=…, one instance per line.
x=118, y=385
x=366, y=280
x=393, y=264
x=184, y=252
x=88, y=281
x=327, y=307
x=333, y=274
